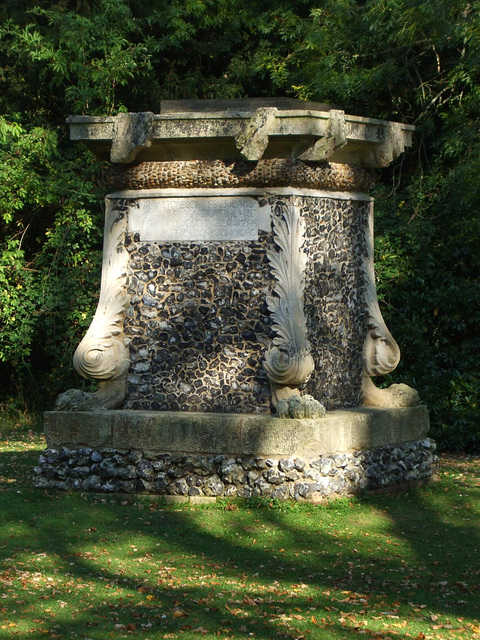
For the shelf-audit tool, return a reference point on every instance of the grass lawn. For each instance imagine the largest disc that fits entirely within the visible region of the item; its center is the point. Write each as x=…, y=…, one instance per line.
x=386, y=567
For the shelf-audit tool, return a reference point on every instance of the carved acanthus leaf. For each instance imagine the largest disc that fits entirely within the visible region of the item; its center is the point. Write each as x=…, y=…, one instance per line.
x=102, y=355
x=288, y=360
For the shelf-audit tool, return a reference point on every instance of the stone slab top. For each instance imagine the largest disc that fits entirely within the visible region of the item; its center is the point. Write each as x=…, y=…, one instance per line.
x=249, y=129
x=240, y=104
x=236, y=434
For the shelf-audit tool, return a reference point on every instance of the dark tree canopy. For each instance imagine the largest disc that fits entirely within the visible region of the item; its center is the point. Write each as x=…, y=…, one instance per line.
x=416, y=61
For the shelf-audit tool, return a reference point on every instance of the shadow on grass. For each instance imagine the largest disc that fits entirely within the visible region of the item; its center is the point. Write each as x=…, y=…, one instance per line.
x=128, y=570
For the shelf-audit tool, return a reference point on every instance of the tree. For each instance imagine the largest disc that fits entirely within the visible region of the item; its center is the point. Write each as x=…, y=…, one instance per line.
x=411, y=60
x=95, y=58
x=416, y=61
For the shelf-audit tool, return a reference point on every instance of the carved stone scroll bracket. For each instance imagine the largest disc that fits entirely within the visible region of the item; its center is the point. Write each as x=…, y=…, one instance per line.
x=381, y=154
x=381, y=353
x=102, y=355
x=335, y=138
x=288, y=361
x=253, y=141
x=132, y=132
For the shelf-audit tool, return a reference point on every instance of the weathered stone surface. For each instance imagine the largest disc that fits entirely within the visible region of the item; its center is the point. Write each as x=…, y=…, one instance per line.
x=92, y=483
x=192, y=297
x=246, y=435
x=282, y=493
x=273, y=476
x=178, y=487
x=231, y=472
x=194, y=312
x=286, y=465
x=262, y=487
x=76, y=428
x=145, y=470
x=312, y=474
x=249, y=131
x=252, y=477
x=214, y=486
x=208, y=218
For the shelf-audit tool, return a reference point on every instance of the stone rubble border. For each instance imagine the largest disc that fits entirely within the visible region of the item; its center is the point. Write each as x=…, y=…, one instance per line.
x=180, y=477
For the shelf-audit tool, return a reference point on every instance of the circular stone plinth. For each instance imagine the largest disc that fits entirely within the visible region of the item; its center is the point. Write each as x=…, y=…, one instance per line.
x=299, y=478
x=219, y=455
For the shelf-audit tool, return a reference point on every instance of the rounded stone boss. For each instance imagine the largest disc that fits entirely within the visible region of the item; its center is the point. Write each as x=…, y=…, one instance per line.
x=238, y=261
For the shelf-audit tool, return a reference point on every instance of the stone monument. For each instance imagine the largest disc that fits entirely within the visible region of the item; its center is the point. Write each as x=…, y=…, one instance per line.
x=238, y=328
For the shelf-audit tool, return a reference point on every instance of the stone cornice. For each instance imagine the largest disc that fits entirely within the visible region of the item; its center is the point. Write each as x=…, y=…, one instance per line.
x=246, y=133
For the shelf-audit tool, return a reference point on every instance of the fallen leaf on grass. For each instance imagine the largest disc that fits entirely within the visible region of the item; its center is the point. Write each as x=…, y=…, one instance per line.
x=234, y=611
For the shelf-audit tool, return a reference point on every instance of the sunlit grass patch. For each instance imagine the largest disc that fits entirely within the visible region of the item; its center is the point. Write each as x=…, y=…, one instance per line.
x=75, y=566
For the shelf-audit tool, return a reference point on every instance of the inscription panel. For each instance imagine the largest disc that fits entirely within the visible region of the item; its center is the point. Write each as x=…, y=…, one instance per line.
x=198, y=219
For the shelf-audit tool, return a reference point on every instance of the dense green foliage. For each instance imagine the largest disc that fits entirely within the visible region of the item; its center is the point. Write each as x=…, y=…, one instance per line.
x=411, y=60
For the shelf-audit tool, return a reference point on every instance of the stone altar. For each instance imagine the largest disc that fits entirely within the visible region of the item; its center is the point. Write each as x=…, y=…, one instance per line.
x=238, y=328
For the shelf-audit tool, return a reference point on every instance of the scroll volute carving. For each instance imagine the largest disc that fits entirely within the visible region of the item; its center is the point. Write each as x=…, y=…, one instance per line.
x=381, y=354
x=102, y=355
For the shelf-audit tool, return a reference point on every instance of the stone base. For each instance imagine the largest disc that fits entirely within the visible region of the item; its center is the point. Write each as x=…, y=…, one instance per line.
x=223, y=455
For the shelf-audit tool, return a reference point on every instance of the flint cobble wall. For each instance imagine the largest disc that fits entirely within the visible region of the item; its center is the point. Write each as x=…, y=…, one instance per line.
x=298, y=478
x=198, y=324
